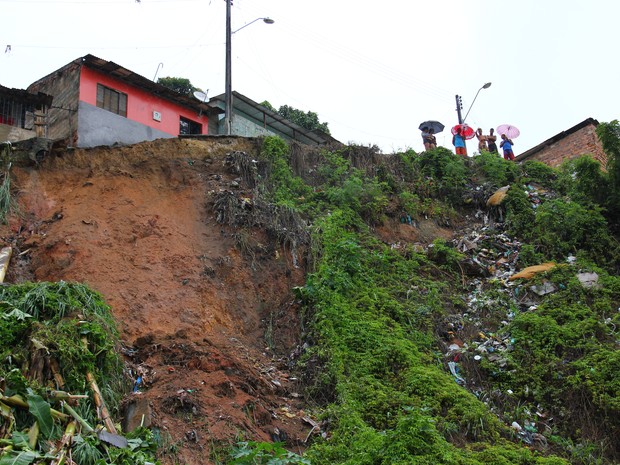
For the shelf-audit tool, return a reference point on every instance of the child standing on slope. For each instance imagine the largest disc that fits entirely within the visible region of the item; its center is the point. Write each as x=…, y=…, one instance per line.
x=506, y=144
x=458, y=140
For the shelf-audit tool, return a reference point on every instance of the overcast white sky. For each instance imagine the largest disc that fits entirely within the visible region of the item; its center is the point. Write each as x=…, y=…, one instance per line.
x=373, y=70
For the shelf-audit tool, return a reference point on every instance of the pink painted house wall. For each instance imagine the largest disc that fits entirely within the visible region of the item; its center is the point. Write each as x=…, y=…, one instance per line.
x=140, y=104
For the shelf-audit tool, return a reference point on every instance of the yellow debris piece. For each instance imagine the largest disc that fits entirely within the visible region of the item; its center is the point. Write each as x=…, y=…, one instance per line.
x=531, y=271
x=498, y=197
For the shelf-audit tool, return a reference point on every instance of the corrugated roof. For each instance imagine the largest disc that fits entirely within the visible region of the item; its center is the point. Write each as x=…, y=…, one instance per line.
x=123, y=74
x=38, y=99
x=262, y=115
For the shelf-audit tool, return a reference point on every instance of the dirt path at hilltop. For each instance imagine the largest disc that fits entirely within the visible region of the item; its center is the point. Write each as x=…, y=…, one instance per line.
x=135, y=223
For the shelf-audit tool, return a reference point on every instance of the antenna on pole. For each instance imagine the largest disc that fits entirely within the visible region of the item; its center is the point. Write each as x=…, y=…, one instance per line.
x=161, y=65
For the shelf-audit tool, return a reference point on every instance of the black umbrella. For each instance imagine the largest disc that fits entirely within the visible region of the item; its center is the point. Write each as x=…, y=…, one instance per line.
x=436, y=126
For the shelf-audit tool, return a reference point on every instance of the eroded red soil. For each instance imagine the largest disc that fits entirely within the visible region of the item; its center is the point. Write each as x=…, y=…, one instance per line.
x=208, y=328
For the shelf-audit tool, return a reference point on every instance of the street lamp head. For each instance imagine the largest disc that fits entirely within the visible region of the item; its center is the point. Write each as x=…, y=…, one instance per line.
x=271, y=21
x=487, y=85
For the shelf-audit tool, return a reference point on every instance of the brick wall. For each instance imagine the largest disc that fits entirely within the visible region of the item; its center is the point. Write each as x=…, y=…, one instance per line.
x=581, y=142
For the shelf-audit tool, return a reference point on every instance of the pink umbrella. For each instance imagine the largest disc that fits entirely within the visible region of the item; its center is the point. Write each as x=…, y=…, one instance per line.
x=466, y=131
x=511, y=131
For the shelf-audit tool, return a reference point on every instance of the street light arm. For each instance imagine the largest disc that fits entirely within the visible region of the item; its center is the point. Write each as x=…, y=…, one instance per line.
x=486, y=86
x=228, y=84
x=472, y=104
x=265, y=20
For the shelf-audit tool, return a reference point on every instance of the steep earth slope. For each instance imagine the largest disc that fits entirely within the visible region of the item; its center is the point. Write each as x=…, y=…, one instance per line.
x=206, y=329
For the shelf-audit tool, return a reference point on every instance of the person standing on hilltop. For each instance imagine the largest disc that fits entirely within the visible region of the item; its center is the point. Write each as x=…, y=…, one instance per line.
x=506, y=144
x=458, y=140
x=482, y=141
x=491, y=138
x=428, y=138
x=432, y=140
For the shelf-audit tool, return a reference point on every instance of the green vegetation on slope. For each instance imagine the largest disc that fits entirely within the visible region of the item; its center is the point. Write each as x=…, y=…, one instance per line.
x=43, y=357
x=373, y=312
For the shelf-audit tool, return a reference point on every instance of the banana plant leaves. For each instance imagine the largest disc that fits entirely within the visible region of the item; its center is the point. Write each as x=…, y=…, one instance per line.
x=41, y=410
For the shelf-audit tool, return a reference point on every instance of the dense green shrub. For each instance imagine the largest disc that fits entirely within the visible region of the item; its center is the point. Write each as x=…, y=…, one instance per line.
x=565, y=356
x=68, y=326
x=584, y=182
x=495, y=170
x=520, y=214
x=447, y=172
x=283, y=186
x=564, y=227
x=537, y=172
x=59, y=315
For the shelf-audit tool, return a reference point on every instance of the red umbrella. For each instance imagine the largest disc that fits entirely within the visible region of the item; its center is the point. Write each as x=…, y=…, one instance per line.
x=508, y=129
x=466, y=131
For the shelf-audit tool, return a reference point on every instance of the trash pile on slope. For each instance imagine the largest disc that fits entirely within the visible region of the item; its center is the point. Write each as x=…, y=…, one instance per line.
x=498, y=291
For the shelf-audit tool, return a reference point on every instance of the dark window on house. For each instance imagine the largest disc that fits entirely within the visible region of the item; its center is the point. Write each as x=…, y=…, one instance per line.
x=16, y=113
x=187, y=126
x=112, y=100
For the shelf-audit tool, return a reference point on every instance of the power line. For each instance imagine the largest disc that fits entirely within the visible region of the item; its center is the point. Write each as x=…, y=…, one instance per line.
x=92, y=2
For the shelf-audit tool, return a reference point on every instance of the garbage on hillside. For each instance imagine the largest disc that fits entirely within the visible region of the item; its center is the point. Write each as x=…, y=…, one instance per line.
x=5, y=258
x=477, y=337
x=543, y=289
x=454, y=370
x=498, y=197
x=531, y=271
x=589, y=280
x=536, y=193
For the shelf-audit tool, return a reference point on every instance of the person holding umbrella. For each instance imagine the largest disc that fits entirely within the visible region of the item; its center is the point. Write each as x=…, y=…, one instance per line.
x=458, y=140
x=506, y=144
x=429, y=129
x=426, y=138
x=430, y=141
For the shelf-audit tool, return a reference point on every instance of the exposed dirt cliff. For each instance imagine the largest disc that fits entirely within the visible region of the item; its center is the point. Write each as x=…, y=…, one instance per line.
x=207, y=328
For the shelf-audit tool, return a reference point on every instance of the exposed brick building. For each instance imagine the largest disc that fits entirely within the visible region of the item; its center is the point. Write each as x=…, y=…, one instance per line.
x=572, y=143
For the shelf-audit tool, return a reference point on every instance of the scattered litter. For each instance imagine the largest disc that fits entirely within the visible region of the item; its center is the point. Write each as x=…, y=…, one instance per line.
x=589, y=280
x=498, y=197
x=545, y=288
x=531, y=271
x=454, y=370
x=287, y=413
x=137, y=384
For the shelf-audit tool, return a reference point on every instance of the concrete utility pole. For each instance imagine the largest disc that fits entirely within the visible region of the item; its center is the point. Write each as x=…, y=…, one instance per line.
x=459, y=107
x=228, y=90
x=228, y=115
